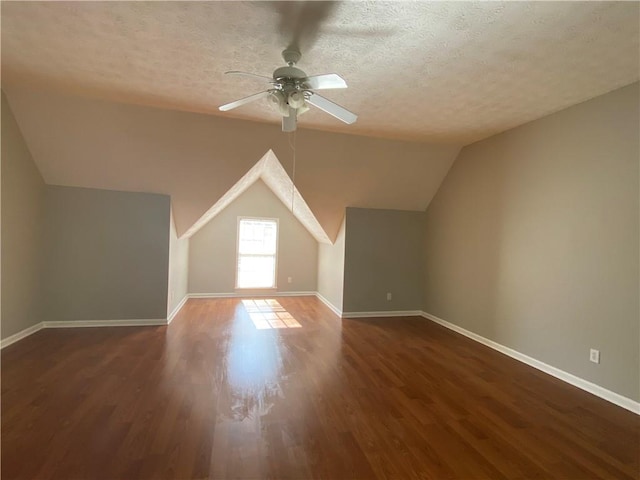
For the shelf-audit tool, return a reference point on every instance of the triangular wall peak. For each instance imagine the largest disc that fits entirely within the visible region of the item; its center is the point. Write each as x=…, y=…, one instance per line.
x=273, y=174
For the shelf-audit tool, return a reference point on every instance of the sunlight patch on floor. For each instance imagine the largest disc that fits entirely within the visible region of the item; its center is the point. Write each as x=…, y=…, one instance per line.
x=268, y=313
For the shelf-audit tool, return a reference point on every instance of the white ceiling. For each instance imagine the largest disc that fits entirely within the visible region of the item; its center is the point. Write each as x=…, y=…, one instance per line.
x=432, y=71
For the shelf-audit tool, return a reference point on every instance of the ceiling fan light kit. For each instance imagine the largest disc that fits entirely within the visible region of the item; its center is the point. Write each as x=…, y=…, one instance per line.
x=277, y=100
x=292, y=91
x=296, y=99
x=304, y=108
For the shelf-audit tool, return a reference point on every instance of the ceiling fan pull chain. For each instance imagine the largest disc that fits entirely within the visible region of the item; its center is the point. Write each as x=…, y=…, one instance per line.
x=293, y=173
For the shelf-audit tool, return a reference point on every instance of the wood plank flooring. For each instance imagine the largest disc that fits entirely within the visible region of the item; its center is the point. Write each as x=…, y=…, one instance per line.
x=222, y=394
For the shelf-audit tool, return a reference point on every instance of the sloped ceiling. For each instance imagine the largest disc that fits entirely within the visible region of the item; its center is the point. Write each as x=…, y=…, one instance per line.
x=197, y=158
x=424, y=77
x=270, y=171
x=432, y=71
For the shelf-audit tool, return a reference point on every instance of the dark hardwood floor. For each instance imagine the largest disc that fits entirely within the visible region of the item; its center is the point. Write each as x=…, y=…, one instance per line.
x=219, y=394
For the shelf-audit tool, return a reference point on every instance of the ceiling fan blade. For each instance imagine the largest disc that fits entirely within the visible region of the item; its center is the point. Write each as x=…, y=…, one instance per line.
x=289, y=123
x=242, y=101
x=247, y=74
x=331, y=108
x=301, y=23
x=325, y=82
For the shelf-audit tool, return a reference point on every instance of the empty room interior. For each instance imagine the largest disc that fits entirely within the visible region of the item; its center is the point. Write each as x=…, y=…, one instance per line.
x=320, y=240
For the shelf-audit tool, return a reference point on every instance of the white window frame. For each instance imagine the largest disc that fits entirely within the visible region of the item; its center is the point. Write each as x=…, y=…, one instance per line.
x=275, y=268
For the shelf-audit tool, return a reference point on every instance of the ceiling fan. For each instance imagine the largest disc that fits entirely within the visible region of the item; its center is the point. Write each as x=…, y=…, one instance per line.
x=292, y=91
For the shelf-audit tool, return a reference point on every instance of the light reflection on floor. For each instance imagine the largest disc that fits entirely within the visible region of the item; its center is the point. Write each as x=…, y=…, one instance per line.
x=268, y=313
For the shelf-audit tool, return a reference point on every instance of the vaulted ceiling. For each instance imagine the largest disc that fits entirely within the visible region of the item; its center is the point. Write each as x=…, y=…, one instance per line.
x=275, y=177
x=430, y=71
x=425, y=78
x=197, y=158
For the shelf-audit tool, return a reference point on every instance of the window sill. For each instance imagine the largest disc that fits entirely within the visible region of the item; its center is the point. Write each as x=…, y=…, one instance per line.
x=257, y=289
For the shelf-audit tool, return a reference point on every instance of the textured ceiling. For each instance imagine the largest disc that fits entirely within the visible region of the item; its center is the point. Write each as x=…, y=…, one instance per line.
x=433, y=71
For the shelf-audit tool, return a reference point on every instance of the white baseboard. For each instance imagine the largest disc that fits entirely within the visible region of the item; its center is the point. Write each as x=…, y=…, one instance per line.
x=393, y=313
x=134, y=322
x=330, y=305
x=83, y=323
x=585, y=385
x=177, y=309
x=106, y=323
x=251, y=295
x=20, y=335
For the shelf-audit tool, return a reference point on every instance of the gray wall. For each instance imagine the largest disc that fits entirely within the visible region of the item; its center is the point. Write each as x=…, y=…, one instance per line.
x=532, y=240
x=383, y=254
x=331, y=269
x=197, y=158
x=107, y=254
x=178, y=268
x=212, y=250
x=22, y=212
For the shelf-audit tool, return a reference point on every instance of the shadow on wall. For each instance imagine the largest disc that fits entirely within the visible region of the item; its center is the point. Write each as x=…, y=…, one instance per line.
x=465, y=242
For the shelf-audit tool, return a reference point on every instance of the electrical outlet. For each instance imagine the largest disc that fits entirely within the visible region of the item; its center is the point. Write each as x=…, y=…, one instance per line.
x=389, y=296
x=289, y=279
x=594, y=355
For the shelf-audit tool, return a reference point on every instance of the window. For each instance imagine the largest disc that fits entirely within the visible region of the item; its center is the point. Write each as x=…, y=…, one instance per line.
x=257, y=247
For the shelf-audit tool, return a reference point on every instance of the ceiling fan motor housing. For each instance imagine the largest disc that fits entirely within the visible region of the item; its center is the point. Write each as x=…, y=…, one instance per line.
x=292, y=92
x=290, y=81
x=284, y=73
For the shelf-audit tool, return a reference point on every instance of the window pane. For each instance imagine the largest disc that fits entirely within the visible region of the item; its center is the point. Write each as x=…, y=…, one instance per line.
x=256, y=271
x=257, y=236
